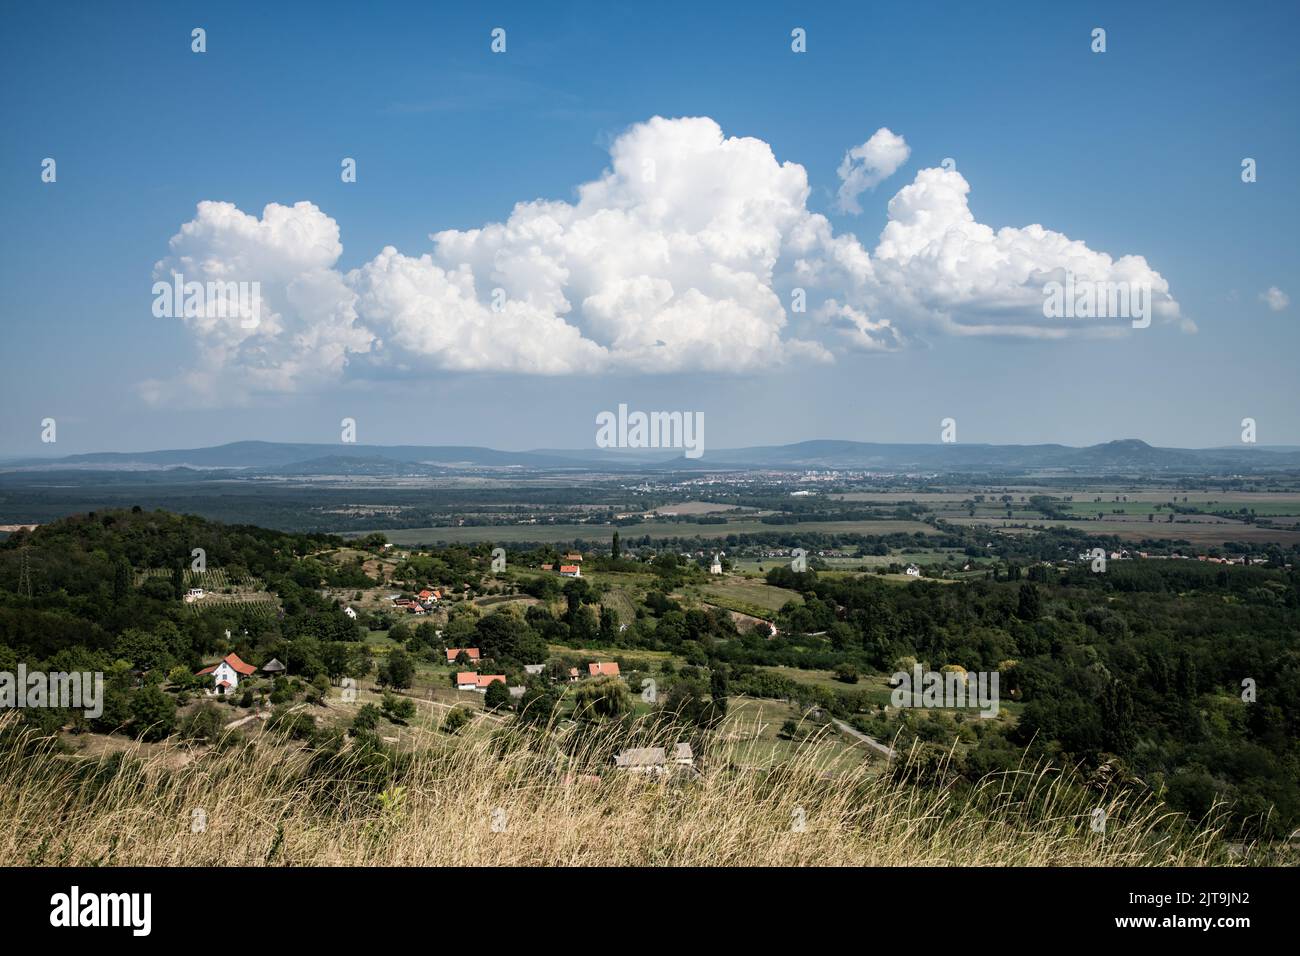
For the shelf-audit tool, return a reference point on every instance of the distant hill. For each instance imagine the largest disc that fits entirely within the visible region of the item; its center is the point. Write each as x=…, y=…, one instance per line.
x=1129, y=455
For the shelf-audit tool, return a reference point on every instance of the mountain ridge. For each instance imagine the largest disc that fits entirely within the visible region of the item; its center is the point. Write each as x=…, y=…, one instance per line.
x=307, y=458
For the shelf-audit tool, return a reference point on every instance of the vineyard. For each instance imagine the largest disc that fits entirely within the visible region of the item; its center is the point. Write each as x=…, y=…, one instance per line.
x=222, y=590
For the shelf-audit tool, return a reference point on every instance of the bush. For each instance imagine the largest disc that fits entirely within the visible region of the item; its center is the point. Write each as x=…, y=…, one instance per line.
x=455, y=719
x=203, y=723
x=366, y=720
x=297, y=725
x=398, y=709
x=153, y=714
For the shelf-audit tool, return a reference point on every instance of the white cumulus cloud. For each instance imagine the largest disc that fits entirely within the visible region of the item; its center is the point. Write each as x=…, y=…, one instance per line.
x=685, y=255
x=867, y=166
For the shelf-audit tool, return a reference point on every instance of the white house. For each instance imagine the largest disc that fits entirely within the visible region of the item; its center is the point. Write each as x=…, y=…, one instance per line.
x=226, y=674
x=193, y=594
x=571, y=570
x=716, y=566
x=912, y=571
x=469, y=680
x=350, y=613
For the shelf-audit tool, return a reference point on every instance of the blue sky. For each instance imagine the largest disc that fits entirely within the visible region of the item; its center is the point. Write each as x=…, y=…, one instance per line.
x=1135, y=151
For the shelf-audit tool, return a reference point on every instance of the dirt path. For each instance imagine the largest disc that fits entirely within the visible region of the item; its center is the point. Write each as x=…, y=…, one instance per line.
x=859, y=736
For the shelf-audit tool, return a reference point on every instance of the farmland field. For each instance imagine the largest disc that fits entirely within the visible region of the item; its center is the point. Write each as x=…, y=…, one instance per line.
x=556, y=533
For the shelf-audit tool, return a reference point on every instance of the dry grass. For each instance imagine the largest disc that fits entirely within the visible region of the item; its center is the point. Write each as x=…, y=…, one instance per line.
x=518, y=799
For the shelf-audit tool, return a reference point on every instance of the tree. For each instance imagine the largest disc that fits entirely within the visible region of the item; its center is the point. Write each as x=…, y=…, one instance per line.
x=601, y=698
x=153, y=714
x=398, y=670
x=1030, y=604
x=616, y=550
x=500, y=633
x=320, y=686
x=538, y=704
x=123, y=577
x=497, y=696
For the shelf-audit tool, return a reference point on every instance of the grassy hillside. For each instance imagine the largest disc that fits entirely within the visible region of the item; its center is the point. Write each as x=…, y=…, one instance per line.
x=525, y=800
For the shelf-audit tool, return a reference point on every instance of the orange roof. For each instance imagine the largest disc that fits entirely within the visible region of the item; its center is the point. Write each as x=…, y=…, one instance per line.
x=454, y=652
x=609, y=669
x=466, y=677
x=485, y=679
x=235, y=663
x=426, y=593
x=568, y=567
x=548, y=567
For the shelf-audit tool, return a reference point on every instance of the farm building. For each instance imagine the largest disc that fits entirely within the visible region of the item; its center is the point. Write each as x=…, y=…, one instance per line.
x=226, y=674
x=609, y=669
x=472, y=653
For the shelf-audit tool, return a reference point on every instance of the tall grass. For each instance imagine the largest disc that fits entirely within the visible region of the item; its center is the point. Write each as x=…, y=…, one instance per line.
x=537, y=798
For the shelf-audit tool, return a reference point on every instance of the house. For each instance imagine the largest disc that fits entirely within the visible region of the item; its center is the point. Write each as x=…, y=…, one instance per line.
x=655, y=760
x=609, y=669
x=683, y=756
x=350, y=613
x=573, y=558
x=573, y=675
x=454, y=652
x=912, y=571
x=571, y=570
x=548, y=567
x=193, y=594
x=468, y=680
x=716, y=566
x=226, y=674
x=517, y=693
x=534, y=668
x=643, y=760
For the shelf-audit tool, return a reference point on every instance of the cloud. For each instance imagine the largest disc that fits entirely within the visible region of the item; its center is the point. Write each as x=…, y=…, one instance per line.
x=858, y=332
x=1275, y=298
x=685, y=256
x=865, y=167
x=936, y=265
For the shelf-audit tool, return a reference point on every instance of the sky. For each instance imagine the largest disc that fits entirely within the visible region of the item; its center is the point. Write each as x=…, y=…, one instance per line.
x=678, y=212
